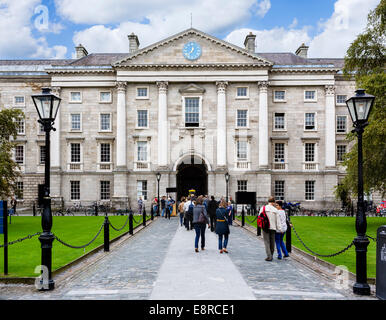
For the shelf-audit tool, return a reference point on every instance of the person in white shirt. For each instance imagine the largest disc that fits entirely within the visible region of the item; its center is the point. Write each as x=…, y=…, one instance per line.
x=282, y=220
x=269, y=235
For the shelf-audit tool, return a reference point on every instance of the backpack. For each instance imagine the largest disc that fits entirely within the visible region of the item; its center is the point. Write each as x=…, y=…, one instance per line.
x=263, y=221
x=190, y=209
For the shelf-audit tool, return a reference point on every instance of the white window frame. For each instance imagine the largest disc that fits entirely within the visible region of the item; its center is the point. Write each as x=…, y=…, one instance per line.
x=100, y=190
x=311, y=100
x=142, y=97
x=147, y=151
x=338, y=145
x=136, y=119
x=274, y=189
x=110, y=123
x=199, y=110
x=279, y=100
x=313, y=191
x=315, y=120
x=81, y=122
x=310, y=165
x=274, y=118
x=18, y=104
x=140, y=193
x=18, y=189
x=280, y=166
x=71, y=190
x=341, y=103
x=336, y=123
x=39, y=125
x=69, y=162
x=247, y=124
x=242, y=97
x=106, y=91
x=75, y=101
x=14, y=153
x=21, y=133
x=240, y=182
x=40, y=162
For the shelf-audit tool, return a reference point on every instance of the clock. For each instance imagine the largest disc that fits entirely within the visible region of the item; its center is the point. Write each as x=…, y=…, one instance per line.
x=191, y=50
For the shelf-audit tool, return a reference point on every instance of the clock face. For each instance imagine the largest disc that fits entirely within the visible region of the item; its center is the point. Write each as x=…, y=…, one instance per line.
x=191, y=50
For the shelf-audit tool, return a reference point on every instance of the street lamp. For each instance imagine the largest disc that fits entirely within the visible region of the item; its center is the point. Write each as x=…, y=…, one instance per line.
x=47, y=106
x=227, y=180
x=158, y=175
x=359, y=108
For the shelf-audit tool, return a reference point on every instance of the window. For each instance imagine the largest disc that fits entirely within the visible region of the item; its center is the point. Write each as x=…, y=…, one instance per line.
x=242, y=92
x=20, y=190
x=341, y=99
x=105, y=152
x=310, y=95
x=192, y=112
x=309, y=121
x=75, y=96
x=279, y=190
x=75, y=190
x=242, y=150
x=19, y=154
x=41, y=129
x=341, y=124
x=310, y=190
x=279, y=155
x=105, y=97
x=105, y=190
x=242, y=118
x=42, y=154
x=142, y=118
x=142, y=93
x=279, y=121
x=142, y=151
x=20, y=126
x=340, y=152
x=279, y=96
x=75, y=152
x=105, y=122
x=19, y=100
x=242, y=185
x=142, y=189
x=76, y=122
x=309, y=152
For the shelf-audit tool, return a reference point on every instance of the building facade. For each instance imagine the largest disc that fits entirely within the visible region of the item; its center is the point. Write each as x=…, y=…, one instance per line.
x=191, y=107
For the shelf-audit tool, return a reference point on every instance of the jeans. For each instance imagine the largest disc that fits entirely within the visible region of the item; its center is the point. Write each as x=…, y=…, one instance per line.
x=181, y=218
x=200, y=231
x=220, y=243
x=280, y=246
x=163, y=212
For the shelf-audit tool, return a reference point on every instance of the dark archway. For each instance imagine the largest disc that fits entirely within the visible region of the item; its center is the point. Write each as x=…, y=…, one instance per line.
x=191, y=176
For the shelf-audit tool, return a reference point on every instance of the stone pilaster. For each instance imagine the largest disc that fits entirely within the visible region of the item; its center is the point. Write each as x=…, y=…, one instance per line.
x=263, y=124
x=163, y=143
x=221, y=124
x=330, y=127
x=55, y=156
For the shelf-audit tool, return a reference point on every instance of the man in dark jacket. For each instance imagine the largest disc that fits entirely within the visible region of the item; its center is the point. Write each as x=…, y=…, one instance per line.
x=212, y=206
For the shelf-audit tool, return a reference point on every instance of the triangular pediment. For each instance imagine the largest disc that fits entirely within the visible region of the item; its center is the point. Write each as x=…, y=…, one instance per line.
x=169, y=52
x=192, y=89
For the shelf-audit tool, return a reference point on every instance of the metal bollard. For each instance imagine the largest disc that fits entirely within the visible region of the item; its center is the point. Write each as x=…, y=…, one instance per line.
x=288, y=233
x=243, y=217
x=131, y=222
x=152, y=213
x=106, y=234
x=144, y=217
x=96, y=210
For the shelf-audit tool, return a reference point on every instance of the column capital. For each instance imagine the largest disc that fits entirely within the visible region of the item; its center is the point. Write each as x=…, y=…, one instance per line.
x=263, y=85
x=56, y=91
x=121, y=86
x=329, y=90
x=221, y=86
x=162, y=86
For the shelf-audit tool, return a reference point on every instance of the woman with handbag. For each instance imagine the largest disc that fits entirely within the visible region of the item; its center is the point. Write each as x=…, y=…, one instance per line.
x=222, y=226
x=200, y=220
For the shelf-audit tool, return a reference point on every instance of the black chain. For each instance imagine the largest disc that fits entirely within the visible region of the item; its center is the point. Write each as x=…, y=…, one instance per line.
x=80, y=247
x=20, y=240
x=254, y=219
x=322, y=255
x=137, y=222
x=123, y=225
x=374, y=239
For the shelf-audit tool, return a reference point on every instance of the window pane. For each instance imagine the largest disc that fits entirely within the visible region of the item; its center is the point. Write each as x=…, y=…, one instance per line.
x=20, y=126
x=242, y=185
x=341, y=99
x=279, y=190
x=242, y=118
x=242, y=150
x=341, y=122
x=75, y=190
x=279, y=95
x=340, y=152
x=105, y=152
x=310, y=121
x=309, y=152
x=279, y=152
x=310, y=190
x=242, y=91
x=20, y=190
x=42, y=154
x=142, y=189
x=105, y=190
x=19, y=100
x=75, y=152
x=105, y=122
x=105, y=96
x=141, y=92
x=75, y=96
x=142, y=118
x=310, y=95
x=279, y=121
x=75, y=121
x=192, y=112
x=142, y=150
x=19, y=154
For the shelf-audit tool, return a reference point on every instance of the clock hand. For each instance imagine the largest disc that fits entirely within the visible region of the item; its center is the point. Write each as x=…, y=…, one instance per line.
x=191, y=50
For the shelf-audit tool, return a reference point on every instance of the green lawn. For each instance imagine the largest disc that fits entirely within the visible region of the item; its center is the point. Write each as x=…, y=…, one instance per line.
x=23, y=257
x=327, y=235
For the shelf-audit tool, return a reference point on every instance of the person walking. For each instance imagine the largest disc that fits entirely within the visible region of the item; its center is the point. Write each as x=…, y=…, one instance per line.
x=212, y=207
x=229, y=213
x=188, y=208
x=222, y=227
x=163, y=206
x=13, y=204
x=169, y=208
x=200, y=219
x=181, y=210
x=269, y=235
x=140, y=205
x=282, y=221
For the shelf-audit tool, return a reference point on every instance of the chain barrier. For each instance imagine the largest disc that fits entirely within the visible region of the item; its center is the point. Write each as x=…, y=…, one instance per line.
x=322, y=255
x=127, y=220
x=138, y=222
x=20, y=240
x=254, y=219
x=80, y=247
x=374, y=239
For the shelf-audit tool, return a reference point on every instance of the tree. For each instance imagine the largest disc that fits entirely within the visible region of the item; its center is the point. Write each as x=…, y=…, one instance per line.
x=366, y=59
x=8, y=167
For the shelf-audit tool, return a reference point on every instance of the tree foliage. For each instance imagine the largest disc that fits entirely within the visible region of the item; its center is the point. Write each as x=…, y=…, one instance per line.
x=8, y=167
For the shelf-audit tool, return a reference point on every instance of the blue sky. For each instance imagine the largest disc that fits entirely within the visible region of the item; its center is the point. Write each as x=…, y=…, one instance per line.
x=52, y=28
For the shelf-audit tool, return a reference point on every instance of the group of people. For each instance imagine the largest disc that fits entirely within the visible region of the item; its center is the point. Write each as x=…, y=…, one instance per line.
x=166, y=206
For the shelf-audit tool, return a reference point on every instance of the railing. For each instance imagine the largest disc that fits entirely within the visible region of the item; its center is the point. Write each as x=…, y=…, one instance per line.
x=242, y=165
x=75, y=166
x=310, y=166
x=104, y=167
x=279, y=166
x=141, y=165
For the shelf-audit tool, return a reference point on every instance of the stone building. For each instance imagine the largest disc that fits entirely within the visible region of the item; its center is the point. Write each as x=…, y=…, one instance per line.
x=191, y=107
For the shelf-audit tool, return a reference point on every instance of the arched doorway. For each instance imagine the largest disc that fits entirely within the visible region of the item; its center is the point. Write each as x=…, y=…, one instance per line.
x=192, y=174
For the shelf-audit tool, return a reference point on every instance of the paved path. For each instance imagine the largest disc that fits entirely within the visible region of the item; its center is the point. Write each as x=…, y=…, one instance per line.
x=160, y=263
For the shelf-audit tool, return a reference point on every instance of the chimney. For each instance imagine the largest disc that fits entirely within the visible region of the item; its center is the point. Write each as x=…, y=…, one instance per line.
x=80, y=51
x=302, y=51
x=133, y=43
x=249, y=42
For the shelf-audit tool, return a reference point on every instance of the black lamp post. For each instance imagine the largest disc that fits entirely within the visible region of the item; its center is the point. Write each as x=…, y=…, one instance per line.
x=158, y=175
x=359, y=107
x=47, y=106
x=227, y=181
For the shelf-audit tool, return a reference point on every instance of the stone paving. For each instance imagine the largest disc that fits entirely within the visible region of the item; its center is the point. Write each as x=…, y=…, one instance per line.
x=160, y=263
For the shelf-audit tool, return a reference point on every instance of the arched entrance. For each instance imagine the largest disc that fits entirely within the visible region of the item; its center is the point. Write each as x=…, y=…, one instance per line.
x=192, y=174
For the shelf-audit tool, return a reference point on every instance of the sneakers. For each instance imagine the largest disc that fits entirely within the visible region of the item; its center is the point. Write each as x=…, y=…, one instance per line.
x=221, y=251
x=286, y=256
x=196, y=250
x=268, y=259
x=225, y=250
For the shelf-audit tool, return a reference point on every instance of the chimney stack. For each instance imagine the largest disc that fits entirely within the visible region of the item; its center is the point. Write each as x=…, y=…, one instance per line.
x=249, y=42
x=80, y=51
x=133, y=43
x=302, y=51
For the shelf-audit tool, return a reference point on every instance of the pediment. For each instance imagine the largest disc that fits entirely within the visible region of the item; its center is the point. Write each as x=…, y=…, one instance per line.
x=214, y=51
x=192, y=89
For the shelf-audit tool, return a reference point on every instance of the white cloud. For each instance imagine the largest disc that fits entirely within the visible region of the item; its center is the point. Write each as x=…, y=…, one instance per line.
x=263, y=7
x=293, y=24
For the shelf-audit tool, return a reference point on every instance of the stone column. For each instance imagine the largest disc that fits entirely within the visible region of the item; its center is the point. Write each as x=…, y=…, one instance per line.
x=263, y=124
x=55, y=176
x=162, y=124
x=221, y=124
x=330, y=127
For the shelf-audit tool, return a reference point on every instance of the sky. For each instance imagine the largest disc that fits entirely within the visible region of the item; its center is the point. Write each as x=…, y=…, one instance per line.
x=50, y=29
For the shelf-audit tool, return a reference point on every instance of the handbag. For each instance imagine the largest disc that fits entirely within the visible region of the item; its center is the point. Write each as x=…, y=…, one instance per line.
x=202, y=218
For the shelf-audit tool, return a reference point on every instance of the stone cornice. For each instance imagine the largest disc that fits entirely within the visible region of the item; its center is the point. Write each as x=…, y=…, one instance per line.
x=194, y=66
x=305, y=70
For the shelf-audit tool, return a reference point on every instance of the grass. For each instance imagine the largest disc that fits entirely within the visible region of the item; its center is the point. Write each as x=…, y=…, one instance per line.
x=327, y=235
x=23, y=257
